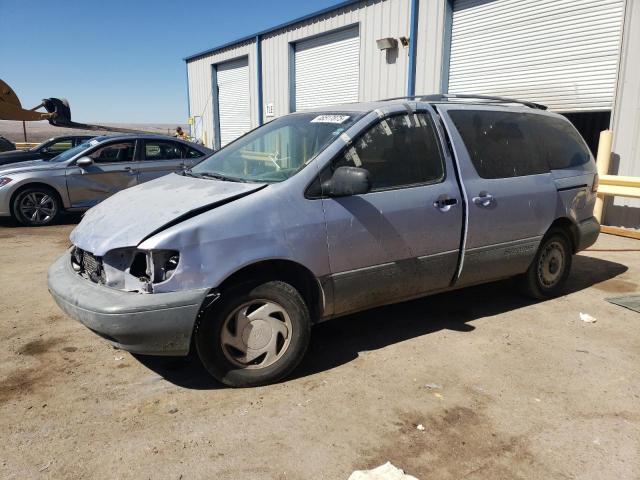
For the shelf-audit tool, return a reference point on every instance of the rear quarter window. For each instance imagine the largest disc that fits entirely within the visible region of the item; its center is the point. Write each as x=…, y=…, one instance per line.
x=501, y=144
x=561, y=144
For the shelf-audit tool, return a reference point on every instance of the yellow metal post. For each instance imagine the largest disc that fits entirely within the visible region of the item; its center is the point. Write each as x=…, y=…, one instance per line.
x=603, y=160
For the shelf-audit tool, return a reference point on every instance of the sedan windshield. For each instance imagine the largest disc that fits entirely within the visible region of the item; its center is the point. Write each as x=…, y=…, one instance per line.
x=277, y=150
x=68, y=154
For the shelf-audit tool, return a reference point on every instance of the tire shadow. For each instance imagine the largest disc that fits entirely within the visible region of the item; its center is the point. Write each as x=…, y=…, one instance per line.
x=339, y=341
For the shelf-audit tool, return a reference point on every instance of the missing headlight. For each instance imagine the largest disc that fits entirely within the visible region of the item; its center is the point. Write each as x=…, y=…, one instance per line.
x=154, y=266
x=163, y=264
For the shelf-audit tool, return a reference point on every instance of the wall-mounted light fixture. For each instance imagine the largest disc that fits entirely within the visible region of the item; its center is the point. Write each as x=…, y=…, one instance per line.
x=388, y=43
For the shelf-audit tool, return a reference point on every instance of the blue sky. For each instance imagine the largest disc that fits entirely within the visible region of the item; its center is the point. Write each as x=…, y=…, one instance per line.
x=121, y=60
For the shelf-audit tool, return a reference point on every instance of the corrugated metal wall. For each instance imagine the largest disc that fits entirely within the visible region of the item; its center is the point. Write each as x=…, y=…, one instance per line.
x=430, y=46
x=626, y=120
x=380, y=77
x=200, y=92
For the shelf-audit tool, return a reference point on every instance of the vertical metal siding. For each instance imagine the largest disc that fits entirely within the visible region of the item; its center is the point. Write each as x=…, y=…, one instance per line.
x=200, y=88
x=562, y=53
x=430, y=44
x=626, y=120
x=234, y=103
x=327, y=69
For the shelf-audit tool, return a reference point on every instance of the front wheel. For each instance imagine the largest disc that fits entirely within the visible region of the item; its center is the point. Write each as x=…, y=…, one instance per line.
x=36, y=206
x=255, y=335
x=550, y=268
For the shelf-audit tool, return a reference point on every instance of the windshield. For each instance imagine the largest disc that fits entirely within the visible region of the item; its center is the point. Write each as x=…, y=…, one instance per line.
x=64, y=156
x=277, y=150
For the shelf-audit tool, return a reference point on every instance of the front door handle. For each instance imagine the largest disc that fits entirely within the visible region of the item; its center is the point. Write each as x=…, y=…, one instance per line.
x=484, y=199
x=129, y=170
x=444, y=203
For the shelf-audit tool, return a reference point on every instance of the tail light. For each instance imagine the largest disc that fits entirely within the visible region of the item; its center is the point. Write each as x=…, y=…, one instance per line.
x=596, y=182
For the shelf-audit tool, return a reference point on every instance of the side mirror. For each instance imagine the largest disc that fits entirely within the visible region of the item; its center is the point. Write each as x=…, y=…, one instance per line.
x=347, y=181
x=83, y=162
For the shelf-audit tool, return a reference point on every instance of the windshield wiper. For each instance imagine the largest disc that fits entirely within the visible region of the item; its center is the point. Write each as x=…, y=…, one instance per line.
x=217, y=176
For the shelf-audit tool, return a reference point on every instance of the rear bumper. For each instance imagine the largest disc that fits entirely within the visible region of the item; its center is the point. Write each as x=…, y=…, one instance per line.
x=588, y=231
x=157, y=324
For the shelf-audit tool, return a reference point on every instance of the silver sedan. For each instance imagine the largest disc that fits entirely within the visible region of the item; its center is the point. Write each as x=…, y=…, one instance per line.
x=36, y=192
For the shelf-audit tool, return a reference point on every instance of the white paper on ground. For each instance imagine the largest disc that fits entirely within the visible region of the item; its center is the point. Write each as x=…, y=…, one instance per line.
x=383, y=472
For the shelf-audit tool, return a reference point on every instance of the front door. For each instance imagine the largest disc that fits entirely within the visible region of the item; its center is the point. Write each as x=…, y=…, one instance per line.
x=511, y=195
x=113, y=169
x=161, y=157
x=402, y=238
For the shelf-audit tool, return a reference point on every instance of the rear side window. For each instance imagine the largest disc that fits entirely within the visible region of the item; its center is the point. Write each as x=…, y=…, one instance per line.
x=114, y=152
x=560, y=143
x=158, y=150
x=193, y=153
x=400, y=150
x=501, y=144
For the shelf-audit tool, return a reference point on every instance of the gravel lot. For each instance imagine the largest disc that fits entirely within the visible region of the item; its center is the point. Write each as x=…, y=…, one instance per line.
x=516, y=389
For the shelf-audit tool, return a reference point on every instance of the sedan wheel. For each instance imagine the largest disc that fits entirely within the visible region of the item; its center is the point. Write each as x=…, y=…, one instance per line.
x=35, y=206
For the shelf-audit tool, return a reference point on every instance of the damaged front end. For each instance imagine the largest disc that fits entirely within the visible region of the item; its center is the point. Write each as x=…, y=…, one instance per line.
x=127, y=269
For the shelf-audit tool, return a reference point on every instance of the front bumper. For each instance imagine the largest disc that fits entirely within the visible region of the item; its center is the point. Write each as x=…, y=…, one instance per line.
x=588, y=231
x=155, y=324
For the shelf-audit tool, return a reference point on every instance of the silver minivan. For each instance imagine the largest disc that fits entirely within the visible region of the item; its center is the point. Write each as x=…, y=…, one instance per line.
x=322, y=213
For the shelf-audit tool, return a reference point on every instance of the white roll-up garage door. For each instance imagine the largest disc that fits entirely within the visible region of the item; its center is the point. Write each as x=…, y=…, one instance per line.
x=234, y=110
x=327, y=69
x=562, y=53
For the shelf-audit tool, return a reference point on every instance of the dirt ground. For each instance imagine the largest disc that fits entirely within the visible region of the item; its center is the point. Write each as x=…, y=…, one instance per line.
x=516, y=389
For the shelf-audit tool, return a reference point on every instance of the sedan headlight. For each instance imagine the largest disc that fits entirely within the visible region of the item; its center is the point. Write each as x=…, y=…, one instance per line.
x=5, y=180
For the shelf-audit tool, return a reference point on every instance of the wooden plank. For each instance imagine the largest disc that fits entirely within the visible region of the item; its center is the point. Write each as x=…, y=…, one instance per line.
x=621, y=232
x=618, y=190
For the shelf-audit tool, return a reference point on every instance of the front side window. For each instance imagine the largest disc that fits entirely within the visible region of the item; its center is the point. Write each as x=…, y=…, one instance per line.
x=277, y=150
x=114, y=152
x=158, y=150
x=400, y=150
x=59, y=146
x=501, y=144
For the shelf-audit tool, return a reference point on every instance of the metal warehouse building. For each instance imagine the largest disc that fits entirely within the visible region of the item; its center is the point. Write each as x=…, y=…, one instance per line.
x=578, y=57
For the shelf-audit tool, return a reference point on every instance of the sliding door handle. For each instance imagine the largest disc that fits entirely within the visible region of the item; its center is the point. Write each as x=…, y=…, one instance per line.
x=484, y=199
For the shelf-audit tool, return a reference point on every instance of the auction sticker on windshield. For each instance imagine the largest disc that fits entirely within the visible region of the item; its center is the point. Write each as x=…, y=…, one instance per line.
x=330, y=119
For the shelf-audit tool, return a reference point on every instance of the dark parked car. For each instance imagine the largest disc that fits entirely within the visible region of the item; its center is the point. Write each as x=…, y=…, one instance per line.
x=46, y=150
x=6, y=145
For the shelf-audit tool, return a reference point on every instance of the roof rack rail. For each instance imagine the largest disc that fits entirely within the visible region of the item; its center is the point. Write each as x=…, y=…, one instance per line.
x=446, y=96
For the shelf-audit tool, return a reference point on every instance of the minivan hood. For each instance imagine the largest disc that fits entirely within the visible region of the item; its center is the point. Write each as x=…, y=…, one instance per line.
x=29, y=166
x=132, y=215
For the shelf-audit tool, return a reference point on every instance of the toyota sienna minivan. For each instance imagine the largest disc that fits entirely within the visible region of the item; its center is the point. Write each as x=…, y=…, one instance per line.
x=321, y=213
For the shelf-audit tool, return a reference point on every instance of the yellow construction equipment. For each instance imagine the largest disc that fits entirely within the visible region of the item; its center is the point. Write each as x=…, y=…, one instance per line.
x=57, y=112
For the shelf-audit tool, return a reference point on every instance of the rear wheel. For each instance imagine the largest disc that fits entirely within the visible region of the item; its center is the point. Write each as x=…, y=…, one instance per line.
x=36, y=206
x=256, y=335
x=550, y=268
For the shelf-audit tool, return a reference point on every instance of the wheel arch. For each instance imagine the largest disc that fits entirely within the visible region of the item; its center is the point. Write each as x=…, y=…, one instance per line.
x=288, y=271
x=569, y=227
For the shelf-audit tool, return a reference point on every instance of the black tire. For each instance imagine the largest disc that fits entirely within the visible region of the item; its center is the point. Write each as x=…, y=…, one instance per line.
x=548, y=273
x=225, y=363
x=28, y=209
